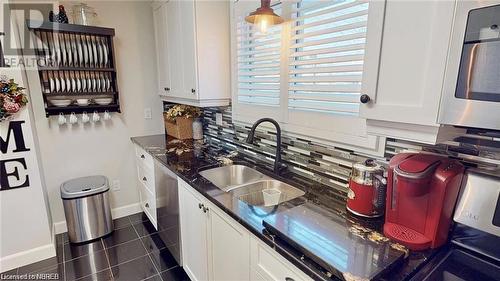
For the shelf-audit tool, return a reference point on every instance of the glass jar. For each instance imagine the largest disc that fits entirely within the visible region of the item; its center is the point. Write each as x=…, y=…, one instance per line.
x=84, y=15
x=197, y=129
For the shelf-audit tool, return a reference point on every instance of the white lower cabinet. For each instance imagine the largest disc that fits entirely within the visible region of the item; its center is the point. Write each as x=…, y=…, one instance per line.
x=216, y=247
x=194, y=238
x=146, y=183
x=213, y=248
x=266, y=264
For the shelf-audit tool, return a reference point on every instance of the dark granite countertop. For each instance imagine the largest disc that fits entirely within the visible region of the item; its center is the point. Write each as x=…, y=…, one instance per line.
x=187, y=158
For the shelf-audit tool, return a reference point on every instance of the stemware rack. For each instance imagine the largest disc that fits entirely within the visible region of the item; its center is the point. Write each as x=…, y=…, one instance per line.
x=75, y=62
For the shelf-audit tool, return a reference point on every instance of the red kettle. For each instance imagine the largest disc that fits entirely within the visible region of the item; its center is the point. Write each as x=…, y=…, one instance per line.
x=367, y=188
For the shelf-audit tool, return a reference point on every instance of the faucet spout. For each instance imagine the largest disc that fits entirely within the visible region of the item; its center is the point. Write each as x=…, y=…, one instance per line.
x=249, y=140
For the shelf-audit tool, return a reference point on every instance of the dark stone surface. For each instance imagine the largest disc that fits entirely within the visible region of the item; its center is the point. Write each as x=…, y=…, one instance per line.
x=187, y=158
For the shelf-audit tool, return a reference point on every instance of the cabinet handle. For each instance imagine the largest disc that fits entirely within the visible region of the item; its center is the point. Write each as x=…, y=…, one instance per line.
x=167, y=89
x=364, y=98
x=142, y=156
x=147, y=205
x=193, y=91
x=144, y=179
x=289, y=279
x=205, y=209
x=200, y=206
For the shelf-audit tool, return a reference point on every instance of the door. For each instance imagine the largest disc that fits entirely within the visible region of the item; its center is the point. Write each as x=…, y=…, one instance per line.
x=188, y=49
x=174, y=35
x=230, y=249
x=194, y=234
x=161, y=26
x=415, y=45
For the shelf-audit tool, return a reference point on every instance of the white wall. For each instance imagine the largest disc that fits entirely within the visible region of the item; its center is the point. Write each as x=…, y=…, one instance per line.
x=68, y=152
x=25, y=224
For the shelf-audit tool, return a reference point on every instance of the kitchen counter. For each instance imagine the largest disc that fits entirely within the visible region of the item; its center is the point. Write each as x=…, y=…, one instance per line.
x=186, y=158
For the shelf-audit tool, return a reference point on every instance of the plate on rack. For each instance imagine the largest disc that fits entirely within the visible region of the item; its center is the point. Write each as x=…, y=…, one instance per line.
x=60, y=102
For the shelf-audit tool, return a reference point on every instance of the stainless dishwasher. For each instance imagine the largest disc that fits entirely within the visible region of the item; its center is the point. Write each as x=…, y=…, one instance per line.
x=167, y=209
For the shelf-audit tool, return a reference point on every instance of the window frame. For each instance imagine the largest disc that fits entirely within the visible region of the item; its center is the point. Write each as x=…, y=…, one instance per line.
x=349, y=132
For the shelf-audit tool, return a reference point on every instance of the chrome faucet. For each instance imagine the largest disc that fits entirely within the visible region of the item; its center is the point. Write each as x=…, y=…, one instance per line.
x=277, y=159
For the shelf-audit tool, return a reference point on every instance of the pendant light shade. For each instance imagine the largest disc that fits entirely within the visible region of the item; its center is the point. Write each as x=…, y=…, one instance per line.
x=264, y=16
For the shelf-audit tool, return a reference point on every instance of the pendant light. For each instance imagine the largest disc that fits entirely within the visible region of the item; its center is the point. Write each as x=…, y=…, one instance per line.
x=264, y=16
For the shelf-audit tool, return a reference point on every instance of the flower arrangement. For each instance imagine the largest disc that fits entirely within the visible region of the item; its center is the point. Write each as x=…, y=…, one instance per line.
x=12, y=98
x=183, y=111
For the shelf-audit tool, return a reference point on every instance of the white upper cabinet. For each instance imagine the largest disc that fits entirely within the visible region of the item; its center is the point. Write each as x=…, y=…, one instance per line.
x=415, y=42
x=193, y=52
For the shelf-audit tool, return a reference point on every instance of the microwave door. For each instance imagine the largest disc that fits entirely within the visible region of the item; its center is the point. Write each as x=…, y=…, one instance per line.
x=479, y=74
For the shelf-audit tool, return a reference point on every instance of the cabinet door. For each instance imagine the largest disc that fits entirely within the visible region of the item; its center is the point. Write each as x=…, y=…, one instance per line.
x=268, y=265
x=415, y=43
x=174, y=47
x=193, y=234
x=229, y=249
x=160, y=24
x=187, y=25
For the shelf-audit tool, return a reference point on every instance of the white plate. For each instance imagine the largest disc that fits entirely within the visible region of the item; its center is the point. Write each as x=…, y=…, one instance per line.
x=78, y=85
x=103, y=101
x=90, y=52
x=85, y=53
x=60, y=103
x=68, y=84
x=58, y=84
x=100, y=50
x=52, y=84
x=96, y=57
x=84, y=84
x=73, y=84
x=80, y=52
x=63, y=85
x=103, y=84
x=106, y=52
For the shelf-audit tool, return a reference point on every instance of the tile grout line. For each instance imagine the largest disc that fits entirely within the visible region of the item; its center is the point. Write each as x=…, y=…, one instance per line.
x=107, y=258
x=148, y=254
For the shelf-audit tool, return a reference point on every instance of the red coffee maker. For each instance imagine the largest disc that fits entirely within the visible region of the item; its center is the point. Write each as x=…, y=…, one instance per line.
x=421, y=193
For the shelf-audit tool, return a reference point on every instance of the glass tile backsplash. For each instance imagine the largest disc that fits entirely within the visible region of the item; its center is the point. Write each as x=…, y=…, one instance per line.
x=330, y=166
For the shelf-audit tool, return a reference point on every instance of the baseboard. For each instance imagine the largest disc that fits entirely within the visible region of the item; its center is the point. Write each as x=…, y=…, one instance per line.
x=116, y=213
x=126, y=210
x=27, y=257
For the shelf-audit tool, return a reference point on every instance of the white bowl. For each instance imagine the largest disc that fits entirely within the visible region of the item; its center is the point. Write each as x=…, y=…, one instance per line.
x=60, y=103
x=82, y=102
x=103, y=101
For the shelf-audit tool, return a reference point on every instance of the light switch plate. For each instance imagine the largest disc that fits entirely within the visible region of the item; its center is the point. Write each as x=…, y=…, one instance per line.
x=218, y=119
x=115, y=185
x=147, y=113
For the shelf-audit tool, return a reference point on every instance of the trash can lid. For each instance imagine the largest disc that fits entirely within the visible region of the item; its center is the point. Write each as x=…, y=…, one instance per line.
x=84, y=186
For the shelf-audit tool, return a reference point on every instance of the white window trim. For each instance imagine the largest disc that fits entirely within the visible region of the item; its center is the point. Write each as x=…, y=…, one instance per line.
x=347, y=132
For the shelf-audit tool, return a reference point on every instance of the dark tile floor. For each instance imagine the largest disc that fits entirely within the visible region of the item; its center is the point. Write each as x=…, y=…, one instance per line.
x=134, y=251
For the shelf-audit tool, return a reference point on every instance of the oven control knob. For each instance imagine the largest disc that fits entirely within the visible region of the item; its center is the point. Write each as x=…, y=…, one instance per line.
x=364, y=98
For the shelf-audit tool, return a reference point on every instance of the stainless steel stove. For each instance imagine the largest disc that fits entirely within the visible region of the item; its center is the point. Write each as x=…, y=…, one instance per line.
x=474, y=251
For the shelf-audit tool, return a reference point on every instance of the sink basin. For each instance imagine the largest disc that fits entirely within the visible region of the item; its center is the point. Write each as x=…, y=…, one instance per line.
x=267, y=192
x=230, y=177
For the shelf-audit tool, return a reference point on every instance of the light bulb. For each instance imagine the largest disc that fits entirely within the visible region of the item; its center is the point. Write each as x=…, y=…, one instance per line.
x=263, y=24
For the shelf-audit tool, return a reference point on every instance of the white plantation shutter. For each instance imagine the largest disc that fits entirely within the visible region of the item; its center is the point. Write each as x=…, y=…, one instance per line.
x=326, y=56
x=258, y=63
x=309, y=72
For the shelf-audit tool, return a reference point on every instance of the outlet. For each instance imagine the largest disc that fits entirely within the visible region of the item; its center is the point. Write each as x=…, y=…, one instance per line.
x=218, y=119
x=115, y=185
x=147, y=113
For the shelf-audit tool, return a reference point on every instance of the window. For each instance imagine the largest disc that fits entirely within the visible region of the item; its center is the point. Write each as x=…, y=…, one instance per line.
x=309, y=72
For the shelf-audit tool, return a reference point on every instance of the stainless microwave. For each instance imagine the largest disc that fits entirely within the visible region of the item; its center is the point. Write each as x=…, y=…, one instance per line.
x=471, y=93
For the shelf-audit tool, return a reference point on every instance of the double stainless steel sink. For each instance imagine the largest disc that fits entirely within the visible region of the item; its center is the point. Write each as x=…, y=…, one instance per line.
x=251, y=186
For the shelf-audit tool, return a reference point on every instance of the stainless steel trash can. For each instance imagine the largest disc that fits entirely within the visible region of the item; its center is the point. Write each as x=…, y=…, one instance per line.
x=86, y=207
